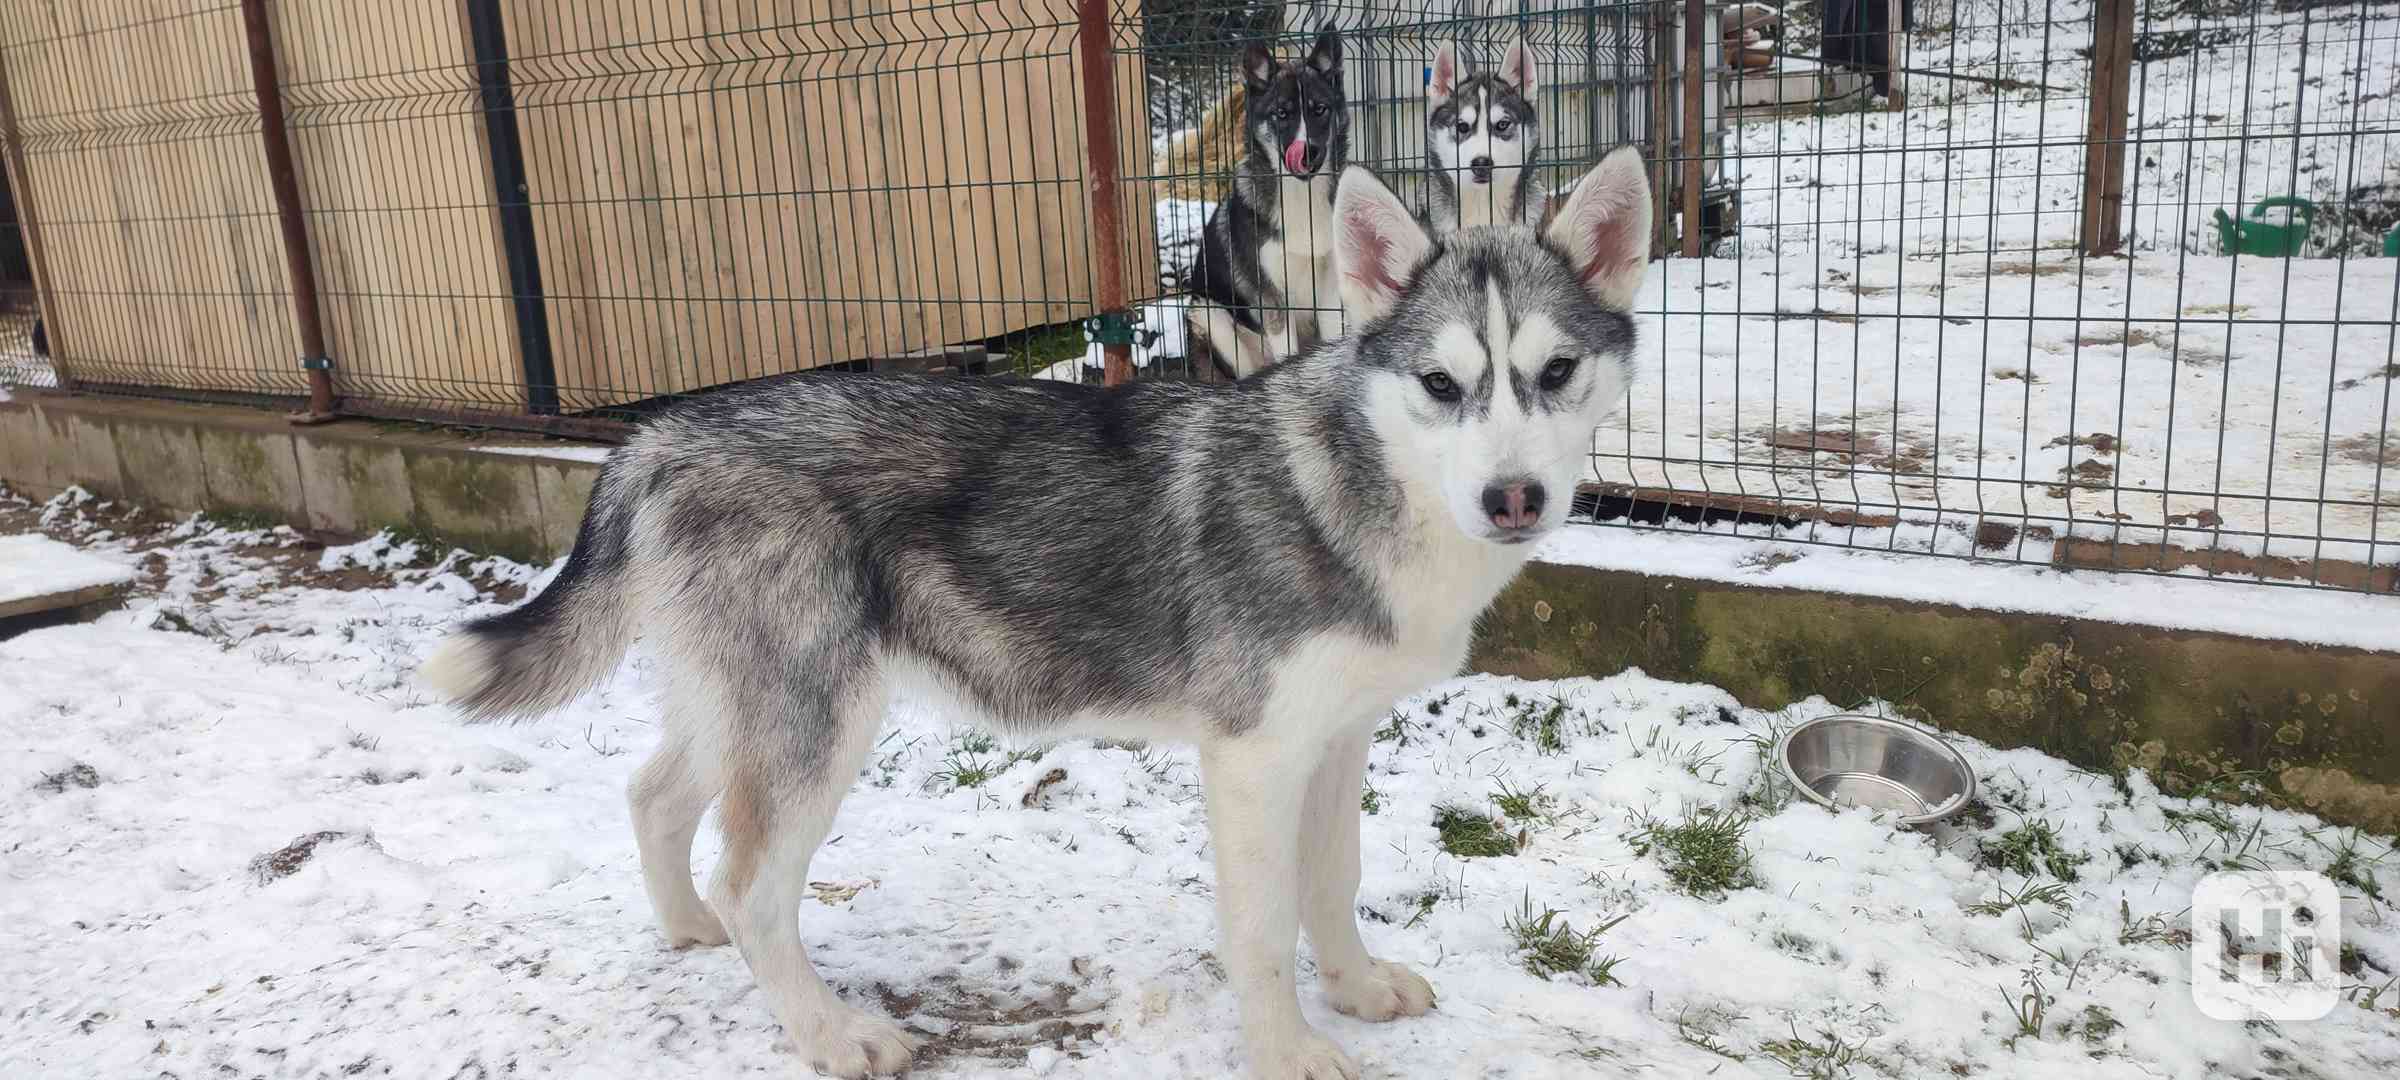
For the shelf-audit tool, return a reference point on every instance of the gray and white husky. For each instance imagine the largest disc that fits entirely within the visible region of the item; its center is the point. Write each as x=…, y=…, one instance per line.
x=1483, y=142
x=1264, y=280
x=1260, y=568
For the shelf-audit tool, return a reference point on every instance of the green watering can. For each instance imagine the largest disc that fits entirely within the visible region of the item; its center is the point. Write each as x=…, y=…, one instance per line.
x=2255, y=235
x=2391, y=243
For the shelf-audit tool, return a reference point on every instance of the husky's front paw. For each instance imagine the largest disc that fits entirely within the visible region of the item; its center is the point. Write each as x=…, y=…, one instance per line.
x=1307, y=1055
x=1383, y=991
x=697, y=926
x=853, y=1045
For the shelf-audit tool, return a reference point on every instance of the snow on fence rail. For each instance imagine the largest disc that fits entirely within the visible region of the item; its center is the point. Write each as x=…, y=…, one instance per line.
x=1995, y=313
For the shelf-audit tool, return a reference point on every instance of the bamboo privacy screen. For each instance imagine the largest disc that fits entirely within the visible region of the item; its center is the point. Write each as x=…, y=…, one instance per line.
x=716, y=191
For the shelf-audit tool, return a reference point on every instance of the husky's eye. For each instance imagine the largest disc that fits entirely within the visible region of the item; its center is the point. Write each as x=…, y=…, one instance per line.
x=1559, y=370
x=1317, y=109
x=1464, y=129
x=1501, y=126
x=1440, y=385
x=1282, y=113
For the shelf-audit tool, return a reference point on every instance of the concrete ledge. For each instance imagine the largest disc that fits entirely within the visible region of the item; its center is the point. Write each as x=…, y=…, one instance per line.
x=351, y=477
x=2318, y=726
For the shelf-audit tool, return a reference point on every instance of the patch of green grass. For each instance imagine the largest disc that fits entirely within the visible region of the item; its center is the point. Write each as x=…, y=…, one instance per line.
x=974, y=742
x=1543, y=725
x=2353, y=864
x=1396, y=730
x=1548, y=946
x=1471, y=834
x=2098, y=1024
x=1825, y=1057
x=1701, y=763
x=2213, y=817
x=2148, y=929
x=239, y=520
x=1699, y=1035
x=2030, y=1005
x=2034, y=848
x=1703, y=853
x=1522, y=805
x=2051, y=894
x=1370, y=801
x=1030, y=350
x=966, y=770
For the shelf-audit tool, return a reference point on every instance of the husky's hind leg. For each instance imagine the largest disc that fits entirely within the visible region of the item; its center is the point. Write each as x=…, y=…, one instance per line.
x=669, y=794
x=795, y=744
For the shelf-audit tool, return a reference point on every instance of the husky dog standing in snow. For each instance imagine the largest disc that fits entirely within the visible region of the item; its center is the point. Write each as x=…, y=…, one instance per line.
x=1482, y=142
x=1260, y=568
x=1265, y=278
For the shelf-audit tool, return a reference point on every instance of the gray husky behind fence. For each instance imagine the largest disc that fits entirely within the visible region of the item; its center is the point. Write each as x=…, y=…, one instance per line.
x=1260, y=568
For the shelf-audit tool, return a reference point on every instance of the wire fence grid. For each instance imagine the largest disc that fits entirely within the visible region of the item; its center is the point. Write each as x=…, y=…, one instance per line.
x=2086, y=283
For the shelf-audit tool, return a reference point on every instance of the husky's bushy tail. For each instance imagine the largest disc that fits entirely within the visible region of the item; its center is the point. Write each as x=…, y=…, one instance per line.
x=542, y=654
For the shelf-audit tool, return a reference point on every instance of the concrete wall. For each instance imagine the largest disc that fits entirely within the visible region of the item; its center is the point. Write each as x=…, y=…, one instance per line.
x=348, y=477
x=2319, y=727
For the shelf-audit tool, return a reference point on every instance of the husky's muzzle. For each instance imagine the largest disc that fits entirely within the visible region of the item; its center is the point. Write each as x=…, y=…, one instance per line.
x=1302, y=158
x=1482, y=169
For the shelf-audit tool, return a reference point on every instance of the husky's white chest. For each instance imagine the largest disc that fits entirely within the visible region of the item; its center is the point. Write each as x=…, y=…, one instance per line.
x=1298, y=261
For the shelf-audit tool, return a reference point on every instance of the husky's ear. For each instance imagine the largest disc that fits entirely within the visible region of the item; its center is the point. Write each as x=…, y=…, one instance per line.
x=1326, y=57
x=1517, y=67
x=1445, y=73
x=1604, y=228
x=1377, y=244
x=1258, y=67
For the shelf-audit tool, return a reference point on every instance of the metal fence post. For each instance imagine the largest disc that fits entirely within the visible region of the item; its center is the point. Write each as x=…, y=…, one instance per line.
x=1695, y=107
x=1100, y=153
x=512, y=192
x=285, y=182
x=2103, y=218
x=1662, y=117
x=20, y=180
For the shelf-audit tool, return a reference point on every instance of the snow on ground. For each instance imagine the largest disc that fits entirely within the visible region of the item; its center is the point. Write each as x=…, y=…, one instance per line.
x=1900, y=325
x=2111, y=399
x=32, y=565
x=240, y=841
x=2269, y=102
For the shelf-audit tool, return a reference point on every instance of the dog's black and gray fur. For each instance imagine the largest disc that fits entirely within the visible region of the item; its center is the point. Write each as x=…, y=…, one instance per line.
x=1483, y=140
x=1263, y=284
x=1260, y=568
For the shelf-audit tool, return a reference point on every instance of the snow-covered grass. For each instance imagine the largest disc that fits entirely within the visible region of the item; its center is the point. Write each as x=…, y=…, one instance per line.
x=2112, y=399
x=258, y=848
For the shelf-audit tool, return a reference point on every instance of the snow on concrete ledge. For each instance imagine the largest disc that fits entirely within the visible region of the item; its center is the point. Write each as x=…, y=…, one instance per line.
x=36, y=568
x=2272, y=612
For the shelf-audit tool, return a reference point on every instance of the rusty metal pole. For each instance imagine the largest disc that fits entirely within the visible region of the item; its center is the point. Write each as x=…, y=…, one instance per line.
x=1662, y=115
x=1695, y=28
x=2102, y=226
x=286, y=185
x=20, y=179
x=1108, y=212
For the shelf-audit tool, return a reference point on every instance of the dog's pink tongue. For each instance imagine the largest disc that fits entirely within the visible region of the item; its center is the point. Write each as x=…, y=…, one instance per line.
x=1295, y=156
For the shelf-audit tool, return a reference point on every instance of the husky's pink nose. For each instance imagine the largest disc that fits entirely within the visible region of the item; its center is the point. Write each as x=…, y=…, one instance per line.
x=1516, y=505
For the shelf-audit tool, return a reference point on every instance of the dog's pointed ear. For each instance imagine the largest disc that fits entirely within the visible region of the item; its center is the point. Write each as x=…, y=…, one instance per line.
x=1518, y=68
x=1258, y=67
x=1604, y=228
x=1326, y=57
x=1377, y=244
x=1445, y=73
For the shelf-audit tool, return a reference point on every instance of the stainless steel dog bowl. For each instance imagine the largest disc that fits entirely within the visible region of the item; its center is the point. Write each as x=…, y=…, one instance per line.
x=1888, y=765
